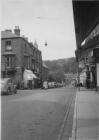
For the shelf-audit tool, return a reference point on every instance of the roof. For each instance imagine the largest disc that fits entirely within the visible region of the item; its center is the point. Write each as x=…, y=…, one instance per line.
x=8, y=34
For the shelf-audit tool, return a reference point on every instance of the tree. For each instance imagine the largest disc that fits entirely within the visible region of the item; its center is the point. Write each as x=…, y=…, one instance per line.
x=57, y=68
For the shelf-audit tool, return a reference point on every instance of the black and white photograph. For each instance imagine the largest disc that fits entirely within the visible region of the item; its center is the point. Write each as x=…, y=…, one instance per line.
x=49, y=80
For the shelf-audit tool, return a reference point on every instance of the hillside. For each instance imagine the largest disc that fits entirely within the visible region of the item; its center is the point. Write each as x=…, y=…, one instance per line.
x=66, y=65
x=58, y=67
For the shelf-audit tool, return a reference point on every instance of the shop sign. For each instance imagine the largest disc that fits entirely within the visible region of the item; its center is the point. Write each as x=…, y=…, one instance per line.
x=93, y=34
x=81, y=64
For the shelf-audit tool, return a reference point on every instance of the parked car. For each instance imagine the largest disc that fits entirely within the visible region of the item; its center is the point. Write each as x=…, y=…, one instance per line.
x=60, y=85
x=7, y=86
x=50, y=85
x=45, y=85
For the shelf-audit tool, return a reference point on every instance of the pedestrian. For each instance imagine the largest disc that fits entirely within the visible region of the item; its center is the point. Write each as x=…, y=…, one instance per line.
x=18, y=85
x=32, y=83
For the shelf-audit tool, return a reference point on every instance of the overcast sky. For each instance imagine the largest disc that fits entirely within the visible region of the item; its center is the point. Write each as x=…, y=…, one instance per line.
x=43, y=20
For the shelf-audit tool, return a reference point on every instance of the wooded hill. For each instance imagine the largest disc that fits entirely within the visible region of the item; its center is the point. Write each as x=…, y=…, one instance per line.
x=57, y=68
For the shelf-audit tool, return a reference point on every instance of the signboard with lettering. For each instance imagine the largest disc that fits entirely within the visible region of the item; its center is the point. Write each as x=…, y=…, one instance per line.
x=93, y=34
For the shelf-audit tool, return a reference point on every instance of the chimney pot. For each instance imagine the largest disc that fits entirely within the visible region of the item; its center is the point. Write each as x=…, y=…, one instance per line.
x=17, y=30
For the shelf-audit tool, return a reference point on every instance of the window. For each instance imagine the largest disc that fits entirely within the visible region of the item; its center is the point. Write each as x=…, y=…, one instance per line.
x=25, y=47
x=9, y=61
x=86, y=59
x=28, y=62
x=8, y=48
x=8, y=45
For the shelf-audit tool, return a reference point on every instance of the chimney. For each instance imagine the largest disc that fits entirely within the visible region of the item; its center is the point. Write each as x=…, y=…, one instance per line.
x=35, y=44
x=17, y=30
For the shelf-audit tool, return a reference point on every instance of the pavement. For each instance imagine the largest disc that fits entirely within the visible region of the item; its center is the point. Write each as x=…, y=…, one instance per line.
x=86, y=115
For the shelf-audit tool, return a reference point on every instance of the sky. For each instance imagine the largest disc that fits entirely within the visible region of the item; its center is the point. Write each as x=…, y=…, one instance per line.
x=43, y=20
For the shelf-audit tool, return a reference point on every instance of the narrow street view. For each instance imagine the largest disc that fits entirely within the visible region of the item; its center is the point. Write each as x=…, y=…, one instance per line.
x=49, y=81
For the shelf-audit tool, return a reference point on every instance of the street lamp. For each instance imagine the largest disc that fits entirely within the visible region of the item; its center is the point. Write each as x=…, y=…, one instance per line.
x=45, y=43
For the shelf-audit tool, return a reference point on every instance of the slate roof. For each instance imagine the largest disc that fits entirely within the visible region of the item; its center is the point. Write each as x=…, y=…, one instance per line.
x=8, y=34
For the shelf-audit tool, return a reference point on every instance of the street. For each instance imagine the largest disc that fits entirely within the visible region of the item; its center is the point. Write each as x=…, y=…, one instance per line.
x=37, y=114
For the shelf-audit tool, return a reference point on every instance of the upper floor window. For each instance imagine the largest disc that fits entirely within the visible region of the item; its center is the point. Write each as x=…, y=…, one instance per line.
x=9, y=61
x=8, y=45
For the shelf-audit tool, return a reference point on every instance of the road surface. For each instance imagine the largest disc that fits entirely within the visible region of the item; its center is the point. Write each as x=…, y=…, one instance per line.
x=37, y=114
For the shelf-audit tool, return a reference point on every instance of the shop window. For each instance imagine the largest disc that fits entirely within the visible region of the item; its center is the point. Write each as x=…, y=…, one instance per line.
x=86, y=59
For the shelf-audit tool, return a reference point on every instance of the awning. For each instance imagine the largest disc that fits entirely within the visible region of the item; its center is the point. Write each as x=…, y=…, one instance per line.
x=29, y=75
x=34, y=76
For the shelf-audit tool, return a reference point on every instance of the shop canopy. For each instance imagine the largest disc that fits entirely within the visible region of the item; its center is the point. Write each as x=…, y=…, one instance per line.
x=86, y=18
x=29, y=75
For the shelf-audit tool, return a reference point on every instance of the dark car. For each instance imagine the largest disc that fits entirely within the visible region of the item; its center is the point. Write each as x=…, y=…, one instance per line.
x=8, y=87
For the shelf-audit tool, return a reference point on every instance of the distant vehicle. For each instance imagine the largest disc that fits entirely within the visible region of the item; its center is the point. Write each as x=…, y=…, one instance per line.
x=7, y=86
x=60, y=84
x=45, y=85
x=53, y=84
x=49, y=85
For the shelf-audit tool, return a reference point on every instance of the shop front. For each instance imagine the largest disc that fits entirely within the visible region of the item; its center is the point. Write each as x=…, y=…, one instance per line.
x=96, y=56
x=29, y=79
